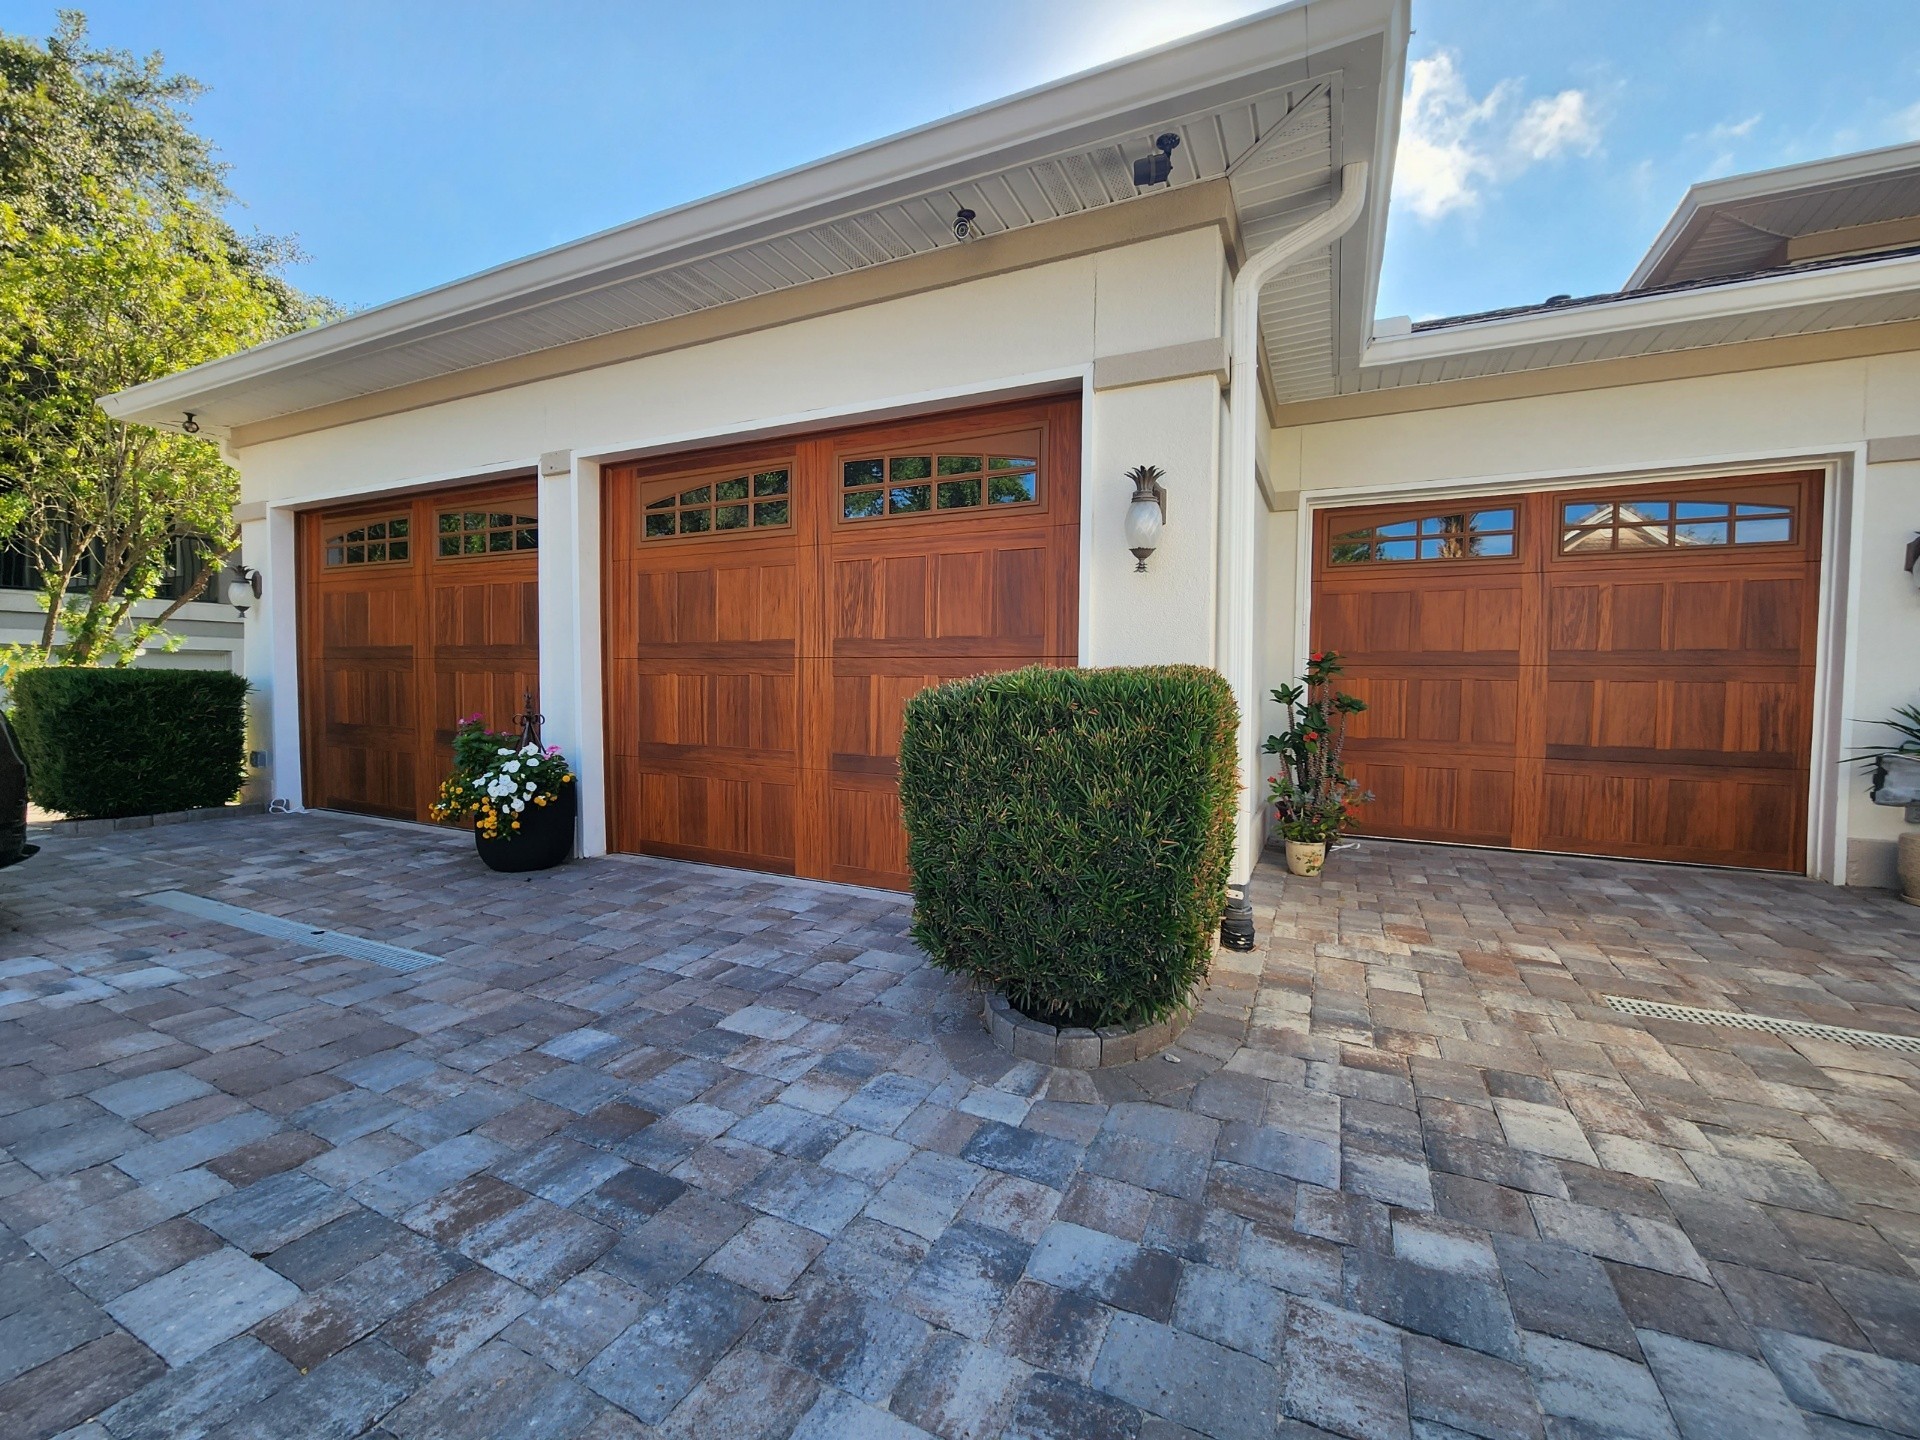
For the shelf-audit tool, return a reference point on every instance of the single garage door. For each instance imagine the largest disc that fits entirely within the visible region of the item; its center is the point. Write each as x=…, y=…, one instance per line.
x=1615, y=670
x=414, y=612
x=771, y=609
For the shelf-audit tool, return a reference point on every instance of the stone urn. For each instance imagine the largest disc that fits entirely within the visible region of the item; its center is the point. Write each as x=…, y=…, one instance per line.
x=1910, y=867
x=1306, y=857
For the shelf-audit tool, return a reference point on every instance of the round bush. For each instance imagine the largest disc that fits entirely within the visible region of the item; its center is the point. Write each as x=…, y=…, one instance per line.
x=1070, y=834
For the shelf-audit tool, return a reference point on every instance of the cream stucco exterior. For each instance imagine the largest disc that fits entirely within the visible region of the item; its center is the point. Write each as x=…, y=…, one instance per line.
x=1035, y=329
x=1827, y=413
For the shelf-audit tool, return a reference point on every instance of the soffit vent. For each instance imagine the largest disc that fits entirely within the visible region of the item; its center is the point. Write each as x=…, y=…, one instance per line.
x=1806, y=1029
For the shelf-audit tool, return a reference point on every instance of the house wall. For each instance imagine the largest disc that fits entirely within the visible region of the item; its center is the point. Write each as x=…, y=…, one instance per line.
x=209, y=634
x=1023, y=331
x=1829, y=411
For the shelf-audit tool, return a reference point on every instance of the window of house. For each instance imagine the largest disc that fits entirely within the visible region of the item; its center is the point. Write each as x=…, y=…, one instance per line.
x=1601, y=524
x=369, y=542
x=759, y=500
x=928, y=481
x=1452, y=535
x=486, y=532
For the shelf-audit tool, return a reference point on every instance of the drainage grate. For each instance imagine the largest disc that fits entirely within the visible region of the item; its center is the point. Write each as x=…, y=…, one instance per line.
x=278, y=927
x=1656, y=1010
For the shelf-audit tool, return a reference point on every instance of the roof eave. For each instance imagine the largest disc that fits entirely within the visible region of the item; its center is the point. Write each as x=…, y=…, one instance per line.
x=1576, y=322
x=864, y=175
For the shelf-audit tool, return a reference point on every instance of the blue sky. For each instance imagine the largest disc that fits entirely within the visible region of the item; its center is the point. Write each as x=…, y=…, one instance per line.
x=1547, y=140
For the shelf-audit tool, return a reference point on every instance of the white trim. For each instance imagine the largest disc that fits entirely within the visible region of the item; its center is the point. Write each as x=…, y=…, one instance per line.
x=1859, y=281
x=1835, y=657
x=951, y=151
x=1083, y=615
x=1758, y=184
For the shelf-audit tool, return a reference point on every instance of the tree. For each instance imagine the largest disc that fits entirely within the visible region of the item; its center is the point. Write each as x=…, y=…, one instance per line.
x=117, y=266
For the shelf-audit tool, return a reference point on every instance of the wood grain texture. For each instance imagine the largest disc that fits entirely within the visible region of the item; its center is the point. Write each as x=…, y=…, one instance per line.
x=1653, y=703
x=392, y=655
x=757, y=680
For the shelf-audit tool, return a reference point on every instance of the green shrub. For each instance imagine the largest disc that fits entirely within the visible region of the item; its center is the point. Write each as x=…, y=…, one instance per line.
x=1070, y=834
x=131, y=742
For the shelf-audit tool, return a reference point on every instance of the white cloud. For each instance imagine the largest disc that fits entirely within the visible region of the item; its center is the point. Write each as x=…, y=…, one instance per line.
x=1454, y=147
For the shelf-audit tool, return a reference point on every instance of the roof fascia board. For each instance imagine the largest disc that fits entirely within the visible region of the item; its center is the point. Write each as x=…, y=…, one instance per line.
x=1578, y=322
x=947, y=151
x=1759, y=184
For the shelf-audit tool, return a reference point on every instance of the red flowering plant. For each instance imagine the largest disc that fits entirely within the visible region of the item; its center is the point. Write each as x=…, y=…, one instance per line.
x=497, y=776
x=1313, y=797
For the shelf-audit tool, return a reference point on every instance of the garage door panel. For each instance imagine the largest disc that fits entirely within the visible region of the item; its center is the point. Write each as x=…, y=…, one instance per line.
x=413, y=613
x=1652, y=684
x=786, y=659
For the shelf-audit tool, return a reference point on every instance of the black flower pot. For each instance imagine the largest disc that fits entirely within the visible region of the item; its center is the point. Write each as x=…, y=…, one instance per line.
x=544, y=839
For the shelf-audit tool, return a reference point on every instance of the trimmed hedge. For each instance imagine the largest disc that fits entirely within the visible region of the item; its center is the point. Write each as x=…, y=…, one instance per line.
x=102, y=743
x=1070, y=834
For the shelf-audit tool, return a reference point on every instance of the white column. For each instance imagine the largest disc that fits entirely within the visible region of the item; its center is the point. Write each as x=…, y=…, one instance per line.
x=570, y=669
x=270, y=658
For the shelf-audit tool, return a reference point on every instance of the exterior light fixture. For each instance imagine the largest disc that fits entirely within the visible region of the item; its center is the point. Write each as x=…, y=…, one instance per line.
x=1156, y=169
x=243, y=588
x=1913, y=561
x=190, y=425
x=1146, y=512
x=963, y=219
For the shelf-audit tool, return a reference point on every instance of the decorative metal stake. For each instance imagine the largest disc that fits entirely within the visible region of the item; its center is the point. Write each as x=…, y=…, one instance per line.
x=530, y=723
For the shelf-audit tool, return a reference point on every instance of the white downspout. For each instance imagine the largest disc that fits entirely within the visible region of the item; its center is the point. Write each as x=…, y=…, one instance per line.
x=1240, y=529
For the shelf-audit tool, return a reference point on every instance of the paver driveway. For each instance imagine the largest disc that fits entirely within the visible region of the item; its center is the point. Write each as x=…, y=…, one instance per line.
x=663, y=1150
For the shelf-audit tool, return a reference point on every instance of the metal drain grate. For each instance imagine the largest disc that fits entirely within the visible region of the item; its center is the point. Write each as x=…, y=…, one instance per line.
x=278, y=927
x=1656, y=1010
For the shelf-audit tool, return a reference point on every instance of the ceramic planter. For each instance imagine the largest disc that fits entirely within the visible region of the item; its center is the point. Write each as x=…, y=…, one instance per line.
x=544, y=840
x=1306, y=857
x=1910, y=867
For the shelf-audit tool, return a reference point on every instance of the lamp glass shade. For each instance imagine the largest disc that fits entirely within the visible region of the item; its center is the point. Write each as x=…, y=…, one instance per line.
x=240, y=593
x=1143, y=525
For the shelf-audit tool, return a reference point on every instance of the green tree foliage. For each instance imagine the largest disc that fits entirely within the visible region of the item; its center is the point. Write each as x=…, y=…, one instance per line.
x=117, y=266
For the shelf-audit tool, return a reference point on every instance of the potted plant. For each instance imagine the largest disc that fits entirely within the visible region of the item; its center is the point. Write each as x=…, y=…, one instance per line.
x=519, y=795
x=1312, y=795
x=1896, y=781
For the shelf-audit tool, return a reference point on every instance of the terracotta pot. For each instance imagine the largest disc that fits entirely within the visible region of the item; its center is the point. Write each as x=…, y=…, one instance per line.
x=1910, y=867
x=1306, y=857
x=545, y=837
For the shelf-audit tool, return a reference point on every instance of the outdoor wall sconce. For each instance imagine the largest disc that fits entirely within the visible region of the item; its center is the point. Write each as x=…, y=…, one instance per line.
x=243, y=588
x=1146, y=513
x=190, y=425
x=963, y=219
x=1913, y=561
x=1156, y=169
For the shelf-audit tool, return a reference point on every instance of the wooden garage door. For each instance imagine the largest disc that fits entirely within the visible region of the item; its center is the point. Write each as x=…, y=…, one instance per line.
x=771, y=609
x=1618, y=671
x=414, y=613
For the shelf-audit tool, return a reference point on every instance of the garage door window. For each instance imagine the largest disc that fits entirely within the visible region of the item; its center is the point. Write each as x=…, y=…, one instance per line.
x=758, y=501
x=881, y=485
x=486, y=532
x=369, y=542
x=1643, y=525
x=1458, y=535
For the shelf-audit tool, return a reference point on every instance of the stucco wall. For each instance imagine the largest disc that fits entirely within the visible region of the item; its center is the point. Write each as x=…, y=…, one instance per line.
x=1025, y=330
x=1871, y=652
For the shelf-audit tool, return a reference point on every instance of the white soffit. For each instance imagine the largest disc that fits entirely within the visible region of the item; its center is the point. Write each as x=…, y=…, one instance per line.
x=1060, y=150
x=1874, y=292
x=1740, y=223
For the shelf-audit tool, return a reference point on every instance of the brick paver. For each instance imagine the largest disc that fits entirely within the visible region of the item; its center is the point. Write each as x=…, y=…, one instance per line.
x=658, y=1150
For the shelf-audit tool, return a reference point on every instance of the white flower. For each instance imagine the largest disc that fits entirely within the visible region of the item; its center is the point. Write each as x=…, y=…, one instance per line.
x=512, y=767
x=505, y=751
x=518, y=806
x=531, y=787
x=529, y=749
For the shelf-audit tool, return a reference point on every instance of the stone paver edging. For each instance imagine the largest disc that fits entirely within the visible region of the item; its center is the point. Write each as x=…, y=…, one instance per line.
x=110, y=825
x=1075, y=1047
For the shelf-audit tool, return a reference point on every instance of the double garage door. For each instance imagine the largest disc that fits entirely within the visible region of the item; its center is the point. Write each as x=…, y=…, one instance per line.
x=414, y=612
x=770, y=610
x=1617, y=671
